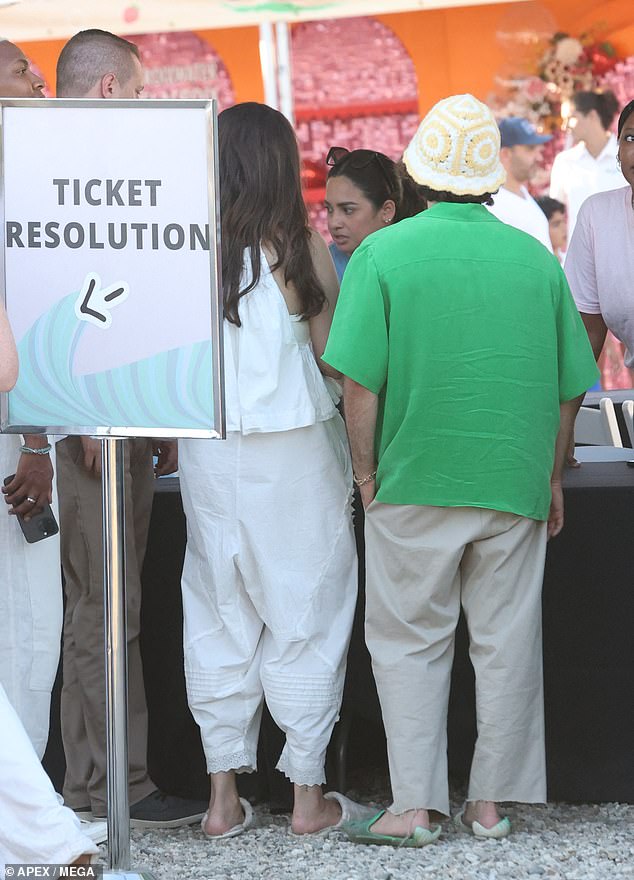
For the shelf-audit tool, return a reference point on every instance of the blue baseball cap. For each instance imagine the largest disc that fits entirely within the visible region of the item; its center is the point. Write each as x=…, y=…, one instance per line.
x=515, y=130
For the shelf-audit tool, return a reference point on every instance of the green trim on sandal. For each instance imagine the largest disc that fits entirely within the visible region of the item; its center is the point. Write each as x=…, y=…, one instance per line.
x=497, y=832
x=360, y=832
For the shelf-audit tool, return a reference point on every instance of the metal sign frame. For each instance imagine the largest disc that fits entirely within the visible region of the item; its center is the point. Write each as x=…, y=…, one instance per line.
x=147, y=105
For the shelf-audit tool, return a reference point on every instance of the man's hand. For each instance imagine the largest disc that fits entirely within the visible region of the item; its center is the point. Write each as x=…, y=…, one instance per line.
x=368, y=493
x=92, y=455
x=167, y=453
x=360, y=408
x=32, y=486
x=556, y=514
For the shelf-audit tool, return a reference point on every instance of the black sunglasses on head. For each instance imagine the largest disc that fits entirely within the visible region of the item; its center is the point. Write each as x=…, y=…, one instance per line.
x=359, y=162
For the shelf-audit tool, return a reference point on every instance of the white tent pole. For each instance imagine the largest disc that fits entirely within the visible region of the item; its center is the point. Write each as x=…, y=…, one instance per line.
x=268, y=63
x=284, y=80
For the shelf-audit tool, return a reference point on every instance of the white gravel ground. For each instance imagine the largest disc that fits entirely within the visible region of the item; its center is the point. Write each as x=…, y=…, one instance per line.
x=555, y=842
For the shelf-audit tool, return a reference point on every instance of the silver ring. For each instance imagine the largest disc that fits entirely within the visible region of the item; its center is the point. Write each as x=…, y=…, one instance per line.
x=31, y=500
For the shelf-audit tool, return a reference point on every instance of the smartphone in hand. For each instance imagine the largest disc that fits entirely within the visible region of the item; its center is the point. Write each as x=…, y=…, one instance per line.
x=42, y=525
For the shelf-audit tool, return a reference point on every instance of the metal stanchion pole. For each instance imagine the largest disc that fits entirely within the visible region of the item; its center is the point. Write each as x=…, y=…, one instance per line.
x=113, y=483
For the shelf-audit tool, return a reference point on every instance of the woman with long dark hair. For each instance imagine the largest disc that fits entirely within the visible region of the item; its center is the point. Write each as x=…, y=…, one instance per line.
x=270, y=575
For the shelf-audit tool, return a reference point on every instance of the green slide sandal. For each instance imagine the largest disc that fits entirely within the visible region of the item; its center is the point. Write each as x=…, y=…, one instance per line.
x=361, y=832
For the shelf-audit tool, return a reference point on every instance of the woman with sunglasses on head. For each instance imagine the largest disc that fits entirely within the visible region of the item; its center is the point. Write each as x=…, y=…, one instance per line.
x=600, y=260
x=270, y=574
x=365, y=191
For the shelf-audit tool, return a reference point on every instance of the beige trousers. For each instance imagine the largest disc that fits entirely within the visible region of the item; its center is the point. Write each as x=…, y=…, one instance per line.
x=83, y=708
x=422, y=564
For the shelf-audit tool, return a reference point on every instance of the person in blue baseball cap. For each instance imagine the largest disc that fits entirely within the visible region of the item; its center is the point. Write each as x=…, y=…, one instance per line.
x=520, y=151
x=518, y=132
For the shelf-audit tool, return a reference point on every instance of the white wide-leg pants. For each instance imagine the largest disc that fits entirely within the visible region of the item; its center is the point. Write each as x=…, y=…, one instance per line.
x=269, y=590
x=35, y=828
x=30, y=611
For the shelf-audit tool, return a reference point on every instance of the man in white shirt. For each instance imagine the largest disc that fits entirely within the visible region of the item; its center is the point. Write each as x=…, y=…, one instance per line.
x=590, y=165
x=519, y=153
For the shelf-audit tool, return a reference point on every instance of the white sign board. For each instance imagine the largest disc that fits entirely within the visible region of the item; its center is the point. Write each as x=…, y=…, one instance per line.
x=111, y=267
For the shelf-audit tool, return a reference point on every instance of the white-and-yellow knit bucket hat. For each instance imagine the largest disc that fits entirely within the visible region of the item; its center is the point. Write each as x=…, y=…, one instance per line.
x=457, y=148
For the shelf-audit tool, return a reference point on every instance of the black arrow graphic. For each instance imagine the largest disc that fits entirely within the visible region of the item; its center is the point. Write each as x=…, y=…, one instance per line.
x=85, y=310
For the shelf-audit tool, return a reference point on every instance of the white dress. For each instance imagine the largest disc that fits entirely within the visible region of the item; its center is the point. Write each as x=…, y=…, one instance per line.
x=270, y=574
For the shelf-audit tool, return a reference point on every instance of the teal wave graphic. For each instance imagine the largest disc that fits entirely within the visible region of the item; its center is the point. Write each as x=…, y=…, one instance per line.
x=173, y=389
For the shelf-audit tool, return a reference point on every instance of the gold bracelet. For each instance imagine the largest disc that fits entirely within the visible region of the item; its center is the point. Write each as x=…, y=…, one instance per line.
x=364, y=480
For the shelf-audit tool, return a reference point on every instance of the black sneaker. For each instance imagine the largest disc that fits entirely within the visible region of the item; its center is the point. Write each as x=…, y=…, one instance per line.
x=159, y=810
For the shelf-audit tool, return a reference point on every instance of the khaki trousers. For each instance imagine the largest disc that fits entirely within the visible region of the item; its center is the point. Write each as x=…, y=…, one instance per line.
x=83, y=706
x=422, y=564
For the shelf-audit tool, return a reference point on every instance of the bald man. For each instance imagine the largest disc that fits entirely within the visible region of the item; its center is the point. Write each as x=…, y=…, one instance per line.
x=98, y=64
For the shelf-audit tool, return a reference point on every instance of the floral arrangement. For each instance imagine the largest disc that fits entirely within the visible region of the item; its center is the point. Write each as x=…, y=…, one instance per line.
x=574, y=65
x=620, y=79
x=567, y=65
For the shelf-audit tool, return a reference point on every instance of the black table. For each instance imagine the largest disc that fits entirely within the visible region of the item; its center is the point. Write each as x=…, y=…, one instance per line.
x=588, y=603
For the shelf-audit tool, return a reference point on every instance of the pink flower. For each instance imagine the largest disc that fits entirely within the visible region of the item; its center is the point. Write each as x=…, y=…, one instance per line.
x=535, y=88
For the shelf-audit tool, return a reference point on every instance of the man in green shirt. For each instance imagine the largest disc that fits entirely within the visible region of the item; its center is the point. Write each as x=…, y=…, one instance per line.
x=463, y=352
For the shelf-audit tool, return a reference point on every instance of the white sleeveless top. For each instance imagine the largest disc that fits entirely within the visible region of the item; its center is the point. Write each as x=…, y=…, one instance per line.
x=272, y=381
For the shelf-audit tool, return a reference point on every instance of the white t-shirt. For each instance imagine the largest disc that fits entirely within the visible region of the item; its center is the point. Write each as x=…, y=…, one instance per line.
x=600, y=263
x=576, y=175
x=523, y=212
